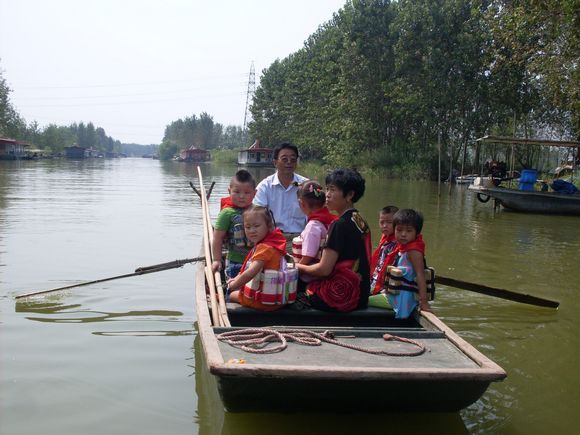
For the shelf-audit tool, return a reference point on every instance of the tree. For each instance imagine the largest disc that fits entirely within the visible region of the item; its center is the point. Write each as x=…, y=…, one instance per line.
x=11, y=124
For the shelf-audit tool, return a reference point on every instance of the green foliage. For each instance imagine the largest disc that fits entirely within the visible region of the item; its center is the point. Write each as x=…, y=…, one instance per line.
x=167, y=150
x=201, y=132
x=224, y=156
x=378, y=84
x=11, y=124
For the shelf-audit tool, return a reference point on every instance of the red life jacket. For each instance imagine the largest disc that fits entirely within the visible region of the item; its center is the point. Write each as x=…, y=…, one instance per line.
x=385, y=240
x=272, y=287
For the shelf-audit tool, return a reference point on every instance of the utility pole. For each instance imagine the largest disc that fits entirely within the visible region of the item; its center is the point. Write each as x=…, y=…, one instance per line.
x=249, y=98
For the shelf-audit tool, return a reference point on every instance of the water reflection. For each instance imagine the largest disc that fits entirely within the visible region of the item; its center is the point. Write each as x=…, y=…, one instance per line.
x=212, y=419
x=57, y=312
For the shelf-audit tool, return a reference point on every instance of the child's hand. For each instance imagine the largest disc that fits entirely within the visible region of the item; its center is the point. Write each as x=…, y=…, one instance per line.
x=424, y=306
x=230, y=283
x=216, y=265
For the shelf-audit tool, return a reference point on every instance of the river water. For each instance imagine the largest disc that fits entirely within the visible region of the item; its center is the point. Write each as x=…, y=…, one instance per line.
x=123, y=356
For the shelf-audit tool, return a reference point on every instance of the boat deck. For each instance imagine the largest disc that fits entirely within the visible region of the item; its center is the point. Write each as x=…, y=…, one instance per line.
x=440, y=353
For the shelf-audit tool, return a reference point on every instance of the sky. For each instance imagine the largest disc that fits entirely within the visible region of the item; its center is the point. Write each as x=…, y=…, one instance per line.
x=134, y=66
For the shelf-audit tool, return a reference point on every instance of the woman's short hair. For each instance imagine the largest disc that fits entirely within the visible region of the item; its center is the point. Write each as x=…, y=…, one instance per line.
x=347, y=180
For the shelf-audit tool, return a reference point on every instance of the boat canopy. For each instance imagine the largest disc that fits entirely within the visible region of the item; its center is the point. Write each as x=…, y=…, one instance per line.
x=521, y=141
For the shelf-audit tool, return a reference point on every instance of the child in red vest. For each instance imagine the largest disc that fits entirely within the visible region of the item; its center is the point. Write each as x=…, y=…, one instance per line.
x=229, y=225
x=386, y=245
x=268, y=252
x=409, y=257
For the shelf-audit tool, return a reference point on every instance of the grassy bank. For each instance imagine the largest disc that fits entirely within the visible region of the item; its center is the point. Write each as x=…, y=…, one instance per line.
x=414, y=171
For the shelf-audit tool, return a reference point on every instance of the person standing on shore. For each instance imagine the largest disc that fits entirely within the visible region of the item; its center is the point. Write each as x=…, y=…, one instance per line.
x=277, y=192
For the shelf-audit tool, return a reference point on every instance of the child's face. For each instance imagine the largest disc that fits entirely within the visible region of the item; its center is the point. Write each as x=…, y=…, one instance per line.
x=336, y=200
x=255, y=227
x=405, y=233
x=386, y=223
x=242, y=194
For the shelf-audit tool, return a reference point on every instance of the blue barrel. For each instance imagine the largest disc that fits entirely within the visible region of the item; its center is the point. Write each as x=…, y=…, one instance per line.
x=528, y=179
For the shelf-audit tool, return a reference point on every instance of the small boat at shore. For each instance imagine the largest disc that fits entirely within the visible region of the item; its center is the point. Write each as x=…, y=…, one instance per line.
x=527, y=199
x=530, y=202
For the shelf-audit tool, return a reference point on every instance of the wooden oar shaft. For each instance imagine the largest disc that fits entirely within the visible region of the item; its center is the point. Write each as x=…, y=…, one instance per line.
x=170, y=264
x=497, y=292
x=216, y=318
x=139, y=271
x=214, y=282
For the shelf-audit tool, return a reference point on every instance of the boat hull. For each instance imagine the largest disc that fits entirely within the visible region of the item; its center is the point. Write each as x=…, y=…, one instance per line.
x=532, y=202
x=250, y=394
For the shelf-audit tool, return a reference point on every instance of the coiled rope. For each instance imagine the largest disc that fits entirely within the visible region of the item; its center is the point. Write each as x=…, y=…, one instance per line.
x=255, y=340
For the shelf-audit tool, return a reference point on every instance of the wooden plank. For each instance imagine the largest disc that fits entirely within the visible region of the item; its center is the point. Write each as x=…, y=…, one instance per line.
x=209, y=342
x=208, y=259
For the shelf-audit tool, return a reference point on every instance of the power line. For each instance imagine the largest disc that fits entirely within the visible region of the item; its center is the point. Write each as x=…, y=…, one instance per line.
x=117, y=103
x=116, y=85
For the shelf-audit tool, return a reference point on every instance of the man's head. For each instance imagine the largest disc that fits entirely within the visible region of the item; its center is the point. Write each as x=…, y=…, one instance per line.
x=286, y=158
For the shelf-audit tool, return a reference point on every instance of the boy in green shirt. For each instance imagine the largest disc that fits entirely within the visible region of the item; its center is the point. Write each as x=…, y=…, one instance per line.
x=229, y=226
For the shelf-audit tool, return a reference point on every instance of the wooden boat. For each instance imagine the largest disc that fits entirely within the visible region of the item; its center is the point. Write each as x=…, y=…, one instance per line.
x=530, y=202
x=447, y=376
x=526, y=199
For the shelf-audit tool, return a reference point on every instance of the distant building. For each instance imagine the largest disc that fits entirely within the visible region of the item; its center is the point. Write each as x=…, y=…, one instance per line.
x=11, y=149
x=193, y=154
x=74, y=152
x=255, y=156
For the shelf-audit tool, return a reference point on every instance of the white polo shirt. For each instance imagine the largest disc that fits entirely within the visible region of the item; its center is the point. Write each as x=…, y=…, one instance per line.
x=282, y=201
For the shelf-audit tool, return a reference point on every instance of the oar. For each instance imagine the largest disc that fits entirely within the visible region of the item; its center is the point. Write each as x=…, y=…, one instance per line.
x=497, y=292
x=139, y=271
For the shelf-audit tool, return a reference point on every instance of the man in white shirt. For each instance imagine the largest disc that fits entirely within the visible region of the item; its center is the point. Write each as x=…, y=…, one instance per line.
x=278, y=191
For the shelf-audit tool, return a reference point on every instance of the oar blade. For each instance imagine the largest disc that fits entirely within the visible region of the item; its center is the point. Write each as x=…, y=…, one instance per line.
x=497, y=292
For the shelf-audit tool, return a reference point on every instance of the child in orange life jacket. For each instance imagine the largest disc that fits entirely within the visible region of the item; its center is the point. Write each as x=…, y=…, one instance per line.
x=386, y=245
x=312, y=200
x=269, y=248
x=409, y=257
x=229, y=225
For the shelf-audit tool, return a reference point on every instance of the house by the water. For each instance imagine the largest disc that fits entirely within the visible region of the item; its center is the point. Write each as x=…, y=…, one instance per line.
x=255, y=156
x=11, y=149
x=193, y=154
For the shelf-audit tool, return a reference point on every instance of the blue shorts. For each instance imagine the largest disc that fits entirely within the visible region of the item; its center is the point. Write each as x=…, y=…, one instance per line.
x=232, y=269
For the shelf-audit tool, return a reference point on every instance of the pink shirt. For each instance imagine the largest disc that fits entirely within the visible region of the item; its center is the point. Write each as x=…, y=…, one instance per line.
x=313, y=233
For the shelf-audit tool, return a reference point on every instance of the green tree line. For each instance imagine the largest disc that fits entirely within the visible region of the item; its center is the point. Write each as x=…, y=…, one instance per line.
x=201, y=132
x=383, y=81
x=52, y=138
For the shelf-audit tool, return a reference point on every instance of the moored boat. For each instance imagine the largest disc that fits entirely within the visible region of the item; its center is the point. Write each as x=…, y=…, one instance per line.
x=530, y=202
x=526, y=198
